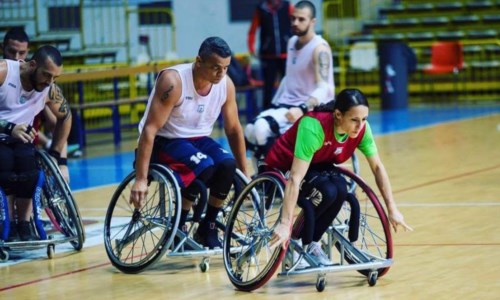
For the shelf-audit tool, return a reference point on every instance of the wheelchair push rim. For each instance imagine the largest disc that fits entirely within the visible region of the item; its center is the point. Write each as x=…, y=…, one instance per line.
x=248, y=260
x=137, y=238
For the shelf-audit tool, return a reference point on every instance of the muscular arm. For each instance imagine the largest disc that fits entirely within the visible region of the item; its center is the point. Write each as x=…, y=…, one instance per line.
x=232, y=127
x=166, y=94
x=321, y=59
x=59, y=107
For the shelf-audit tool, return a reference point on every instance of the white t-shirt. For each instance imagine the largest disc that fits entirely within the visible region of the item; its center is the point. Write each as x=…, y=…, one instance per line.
x=17, y=105
x=193, y=115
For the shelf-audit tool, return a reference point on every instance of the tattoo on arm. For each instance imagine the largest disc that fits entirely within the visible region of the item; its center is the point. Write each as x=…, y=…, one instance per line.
x=324, y=64
x=56, y=95
x=166, y=94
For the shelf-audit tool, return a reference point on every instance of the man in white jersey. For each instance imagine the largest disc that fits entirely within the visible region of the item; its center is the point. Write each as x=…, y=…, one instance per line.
x=308, y=82
x=182, y=109
x=25, y=89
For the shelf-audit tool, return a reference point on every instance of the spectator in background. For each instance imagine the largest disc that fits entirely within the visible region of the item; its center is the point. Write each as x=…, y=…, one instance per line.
x=308, y=82
x=15, y=44
x=273, y=19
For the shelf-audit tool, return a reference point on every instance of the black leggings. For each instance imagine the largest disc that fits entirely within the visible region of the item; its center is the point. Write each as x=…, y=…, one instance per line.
x=321, y=197
x=18, y=169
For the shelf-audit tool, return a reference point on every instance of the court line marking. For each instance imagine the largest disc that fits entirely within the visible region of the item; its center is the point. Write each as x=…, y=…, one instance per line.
x=93, y=241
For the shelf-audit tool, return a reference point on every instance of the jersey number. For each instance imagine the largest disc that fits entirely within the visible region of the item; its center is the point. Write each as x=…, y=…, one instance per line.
x=198, y=157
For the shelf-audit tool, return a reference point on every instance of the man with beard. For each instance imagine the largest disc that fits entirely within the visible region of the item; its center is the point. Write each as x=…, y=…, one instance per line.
x=175, y=131
x=25, y=89
x=308, y=82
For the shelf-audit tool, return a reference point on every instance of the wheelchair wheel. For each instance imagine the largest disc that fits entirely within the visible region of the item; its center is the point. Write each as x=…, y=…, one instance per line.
x=363, y=226
x=248, y=260
x=59, y=203
x=136, y=238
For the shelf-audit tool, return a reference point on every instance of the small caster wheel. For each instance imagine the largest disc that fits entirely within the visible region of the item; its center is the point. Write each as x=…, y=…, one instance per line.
x=50, y=250
x=372, y=278
x=4, y=255
x=205, y=264
x=321, y=284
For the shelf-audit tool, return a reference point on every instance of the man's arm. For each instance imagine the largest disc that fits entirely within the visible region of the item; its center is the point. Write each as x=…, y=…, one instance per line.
x=251, y=32
x=322, y=57
x=166, y=94
x=59, y=107
x=232, y=127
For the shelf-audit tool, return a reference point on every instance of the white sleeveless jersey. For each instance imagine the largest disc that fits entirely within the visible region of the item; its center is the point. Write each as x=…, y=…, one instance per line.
x=300, y=76
x=193, y=115
x=17, y=105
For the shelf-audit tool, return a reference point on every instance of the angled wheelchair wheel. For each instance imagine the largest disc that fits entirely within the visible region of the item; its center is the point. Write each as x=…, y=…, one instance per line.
x=239, y=183
x=59, y=204
x=248, y=260
x=361, y=230
x=136, y=238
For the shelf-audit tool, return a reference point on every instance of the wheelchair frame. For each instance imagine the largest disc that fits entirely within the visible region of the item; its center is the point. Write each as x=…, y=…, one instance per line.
x=136, y=239
x=250, y=263
x=55, y=198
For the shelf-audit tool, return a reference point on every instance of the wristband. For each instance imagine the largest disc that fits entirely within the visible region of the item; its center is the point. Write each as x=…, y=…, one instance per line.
x=304, y=108
x=28, y=129
x=8, y=129
x=55, y=154
x=63, y=161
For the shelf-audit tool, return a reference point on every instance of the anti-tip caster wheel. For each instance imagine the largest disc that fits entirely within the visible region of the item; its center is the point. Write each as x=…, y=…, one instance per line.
x=50, y=250
x=205, y=264
x=372, y=278
x=321, y=283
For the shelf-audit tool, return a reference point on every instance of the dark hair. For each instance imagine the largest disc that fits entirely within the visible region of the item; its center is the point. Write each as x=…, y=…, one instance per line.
x=307, y=4
x=16, y=34
x=214, y=45
x=346, y=99
x=43, y=53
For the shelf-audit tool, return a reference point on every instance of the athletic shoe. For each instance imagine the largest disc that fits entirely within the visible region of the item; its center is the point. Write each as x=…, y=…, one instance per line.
x=314, y=249
x=302, y=264
x=207, y=235
x=13, y=234
x=25, y=232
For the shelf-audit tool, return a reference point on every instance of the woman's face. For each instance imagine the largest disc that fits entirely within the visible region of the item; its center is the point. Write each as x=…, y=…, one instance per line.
x=352, y=121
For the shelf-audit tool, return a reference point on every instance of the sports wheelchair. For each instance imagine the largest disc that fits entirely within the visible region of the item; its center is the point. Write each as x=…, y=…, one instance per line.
x=360, y=235
x=52, y=200
x=137, y=238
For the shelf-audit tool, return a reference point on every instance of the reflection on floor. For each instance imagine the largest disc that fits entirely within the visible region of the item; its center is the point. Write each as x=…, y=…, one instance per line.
x=112, y=168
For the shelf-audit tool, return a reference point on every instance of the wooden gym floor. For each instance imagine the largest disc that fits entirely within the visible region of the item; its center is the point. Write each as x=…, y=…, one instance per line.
x=445, y=177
